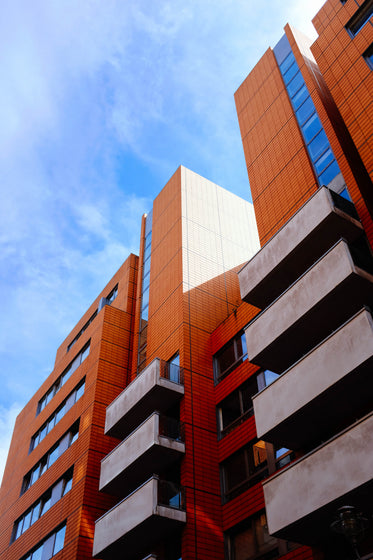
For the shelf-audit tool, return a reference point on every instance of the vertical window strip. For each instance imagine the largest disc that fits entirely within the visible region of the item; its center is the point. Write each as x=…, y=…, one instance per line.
x=360, y=18
x=317, y=143
x=145, y=284
x=43, y=504
x=60, y=412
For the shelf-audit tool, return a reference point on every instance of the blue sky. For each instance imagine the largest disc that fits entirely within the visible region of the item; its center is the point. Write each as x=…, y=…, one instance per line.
x=100, y=102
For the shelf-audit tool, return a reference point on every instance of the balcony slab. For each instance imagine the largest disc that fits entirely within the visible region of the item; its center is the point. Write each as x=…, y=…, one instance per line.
x=304, y=402
x=311, y=231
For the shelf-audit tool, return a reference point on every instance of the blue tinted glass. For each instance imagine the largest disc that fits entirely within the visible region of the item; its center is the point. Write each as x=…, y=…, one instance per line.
x=300, y=97
x=60, y=537
x=345, y=194
x=53, y=456
x=145, y=313
x=147, y=252
x=295, y=84
x=37, y=554
x=148, y=239
x=145, y=298
x=305, y=111
x=329, y=173
x=287, y=63
x=290, y=73
x=146, y=267
x=243, y=342
x=324, y=161
x=269, y=376
x=146, y=282
x=318, y=145
x=311, y=128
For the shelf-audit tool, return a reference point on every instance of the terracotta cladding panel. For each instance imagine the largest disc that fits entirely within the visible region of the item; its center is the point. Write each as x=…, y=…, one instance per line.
x=167, y=281
x=114, y=374
x=200, y=393
x=165, y=320
x=234, y=380
x=167, y=195
x=168, y=347
x=237, y=438
x=206, y=310
x=249, y=502
x=198, y=356
x=232, y=325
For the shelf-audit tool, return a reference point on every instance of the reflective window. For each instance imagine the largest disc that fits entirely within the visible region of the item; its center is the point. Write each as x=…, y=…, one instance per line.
x=329, y=173
x=49, y=546
x=37, y=510
x=305, y=111
x=290, y=73
x=360, y=18
x=300, y=97
x=295, y=84
x=318, y=145
x=50, y=457
x=311, y=128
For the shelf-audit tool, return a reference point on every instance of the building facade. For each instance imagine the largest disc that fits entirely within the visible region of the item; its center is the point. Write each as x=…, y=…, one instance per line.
x=209, y=407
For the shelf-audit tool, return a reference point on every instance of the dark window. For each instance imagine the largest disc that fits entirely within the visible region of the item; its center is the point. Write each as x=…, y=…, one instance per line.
x=243, y=469
x=229, y=357
x=82, y=330
x=238, y=406
x=368, y=55
x=283, y=456
x=252, y=540
x=113, y=294
x=360, y=18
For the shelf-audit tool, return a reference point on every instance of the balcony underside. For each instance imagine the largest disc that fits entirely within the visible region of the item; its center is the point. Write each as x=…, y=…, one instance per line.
x=302, y=500
x=336, y=376
x=295, y=247
x=317, y=304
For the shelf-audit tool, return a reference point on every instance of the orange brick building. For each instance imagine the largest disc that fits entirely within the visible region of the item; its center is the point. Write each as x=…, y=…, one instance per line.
x=182, y=422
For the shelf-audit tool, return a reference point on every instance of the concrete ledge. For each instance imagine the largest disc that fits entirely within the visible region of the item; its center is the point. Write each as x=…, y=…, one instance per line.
x=311, y=231
x=302, y=499
x=326, y=296
x=148, y=392
x=336, y=375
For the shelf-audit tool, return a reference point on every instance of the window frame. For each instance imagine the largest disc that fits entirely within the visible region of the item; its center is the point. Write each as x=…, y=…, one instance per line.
x=238, y=359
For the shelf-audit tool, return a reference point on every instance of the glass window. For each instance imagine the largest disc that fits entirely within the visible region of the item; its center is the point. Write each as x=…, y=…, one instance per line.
x=46, y=504
x=305, y=111
x=35, y=513
x=360, y=18
x=230, y=356
x=26, y=521
x=300, y=97
x=252, y=541
x=60, y=413
x=311, y=127
x=146, y=267
x=67, y=486
x=79, y=392
x=270, y=376
x=34, y=474
x=368, y=55
x=324, y=161
x=237, y=406
x=145, y=297
x=290, y=73
x=243, y=469
x=37, y=554
x=329, y=173
x=59, y=541
x=53, y=456
x=318, y=145
x=145, y=313
x=174, y=368
x=18, y=531
x=295, y=84
x=289, y=60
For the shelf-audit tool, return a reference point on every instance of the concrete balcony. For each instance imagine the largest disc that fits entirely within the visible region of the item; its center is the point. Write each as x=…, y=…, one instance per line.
x=158, y=387
x=302, y=406
x=156, y=444
x=302, y=500
x=326, y=296
x=325, y=218
x=138, y=522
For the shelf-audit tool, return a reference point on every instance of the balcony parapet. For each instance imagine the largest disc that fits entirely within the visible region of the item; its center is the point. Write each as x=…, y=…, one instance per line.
x=335, y=376
x=142, y=519
x=310, y=232
x=302, y=499
x=321, y=300
x=158, y=387
x=155, y=445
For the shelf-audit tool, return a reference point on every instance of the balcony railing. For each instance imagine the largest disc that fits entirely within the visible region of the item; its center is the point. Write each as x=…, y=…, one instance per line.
x=171, y=371
x=172, y=428
x=171, y=494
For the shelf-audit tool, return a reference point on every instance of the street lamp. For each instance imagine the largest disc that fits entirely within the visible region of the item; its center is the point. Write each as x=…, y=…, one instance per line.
x=350, y=523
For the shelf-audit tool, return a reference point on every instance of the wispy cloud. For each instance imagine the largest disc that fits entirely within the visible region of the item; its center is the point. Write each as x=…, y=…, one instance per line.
x=99, y=104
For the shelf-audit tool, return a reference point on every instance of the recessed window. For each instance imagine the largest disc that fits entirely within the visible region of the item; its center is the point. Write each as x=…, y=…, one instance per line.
x=51, y=457
x=368, y=55
x=48, y=499
x=49, y=546
x=61, y=380
x=230, y=356
x=252, y=540
x=360, y=18
x=238, y=406
x=243, y=469
x=57, y=415
x=283, y=456
x=85, y=327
